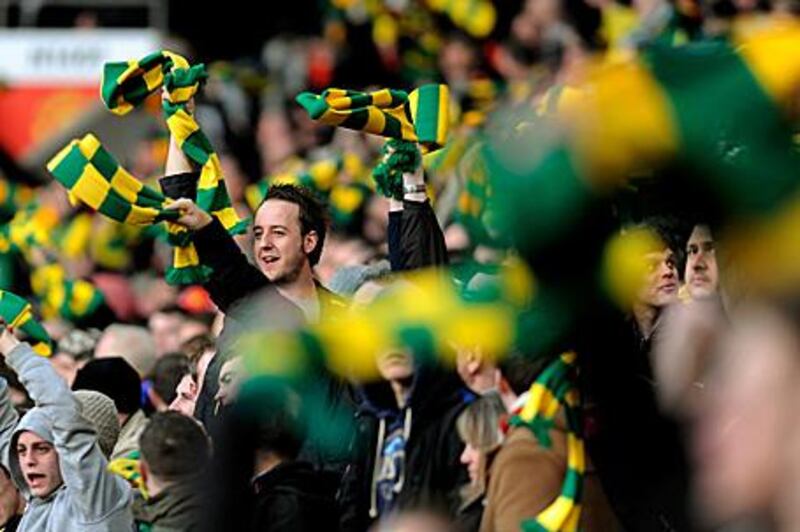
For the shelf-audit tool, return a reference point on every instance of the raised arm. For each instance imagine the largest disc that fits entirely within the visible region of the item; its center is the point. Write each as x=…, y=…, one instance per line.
x=8, y=421
x=83, y=466
x=421, y=238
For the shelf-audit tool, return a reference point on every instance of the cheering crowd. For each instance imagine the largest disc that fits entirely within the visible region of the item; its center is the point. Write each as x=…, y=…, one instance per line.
x=548, y=280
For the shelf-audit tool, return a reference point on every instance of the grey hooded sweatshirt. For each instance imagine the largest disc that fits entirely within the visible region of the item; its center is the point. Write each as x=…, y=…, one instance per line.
x=90, y=498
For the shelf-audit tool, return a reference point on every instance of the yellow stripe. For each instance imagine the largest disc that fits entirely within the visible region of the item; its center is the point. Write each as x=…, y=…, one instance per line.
x=125, y=185
x=333, y=117
x=178, y=61
x=91, y=187
x=141, y=216
x=42, y=349
x=382, y=98
x=555, y=516
x=227, y=217
x=576, y=457
x=182, y=94
x=376, y=121
x=444, y=114
x=339, y=102
x=153, y=78
x=185, y=257
x=210, y=174
x=89, y=145
x=181, y=125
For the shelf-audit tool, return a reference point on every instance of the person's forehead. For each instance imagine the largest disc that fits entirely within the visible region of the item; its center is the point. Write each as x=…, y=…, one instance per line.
x=700, y=233
x=28, y=437
x=277, y=212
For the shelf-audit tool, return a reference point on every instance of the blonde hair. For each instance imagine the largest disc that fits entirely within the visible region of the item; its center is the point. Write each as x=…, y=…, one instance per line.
x=478, y=425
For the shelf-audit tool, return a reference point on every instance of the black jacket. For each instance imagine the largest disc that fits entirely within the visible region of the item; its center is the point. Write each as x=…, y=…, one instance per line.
x=415, y=238
x=433, y=472
x=638, y=451
x=293, y=497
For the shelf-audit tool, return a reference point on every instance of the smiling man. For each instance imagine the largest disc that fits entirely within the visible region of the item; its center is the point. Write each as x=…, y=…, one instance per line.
x=53, y=453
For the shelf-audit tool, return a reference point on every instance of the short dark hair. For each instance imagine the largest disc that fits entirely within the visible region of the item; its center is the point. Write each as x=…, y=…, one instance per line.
x=520, y=370
x=168, y=373
x=313, y=214
x=174, y=446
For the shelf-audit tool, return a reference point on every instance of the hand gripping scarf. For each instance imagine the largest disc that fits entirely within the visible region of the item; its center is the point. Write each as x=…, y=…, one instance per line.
x=94, y=177
x=17, y=314
x=553, y=390
x=420, y=116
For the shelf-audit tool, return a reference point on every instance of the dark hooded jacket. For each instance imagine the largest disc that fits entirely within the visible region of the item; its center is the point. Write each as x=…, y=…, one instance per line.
x=293, y=497
x=432, y=472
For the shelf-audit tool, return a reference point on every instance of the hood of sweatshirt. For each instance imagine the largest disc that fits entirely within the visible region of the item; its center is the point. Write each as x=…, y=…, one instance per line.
x=36, y=421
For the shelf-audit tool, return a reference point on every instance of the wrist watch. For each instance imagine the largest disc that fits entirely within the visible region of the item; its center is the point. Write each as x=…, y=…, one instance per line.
x=413, y=189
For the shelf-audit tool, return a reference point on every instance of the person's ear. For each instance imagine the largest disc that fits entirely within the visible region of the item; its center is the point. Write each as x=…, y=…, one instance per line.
x=474, y=360
x=310, y=242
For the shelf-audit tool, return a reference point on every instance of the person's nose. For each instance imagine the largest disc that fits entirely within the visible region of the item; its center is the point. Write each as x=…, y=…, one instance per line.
x=700, y=262
x=464, y=458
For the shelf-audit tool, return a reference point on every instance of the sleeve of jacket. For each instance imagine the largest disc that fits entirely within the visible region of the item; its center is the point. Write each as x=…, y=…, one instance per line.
x=8, y=421
x=393, y=237
x=523, y=482
x=83, y=466
x=421, y=238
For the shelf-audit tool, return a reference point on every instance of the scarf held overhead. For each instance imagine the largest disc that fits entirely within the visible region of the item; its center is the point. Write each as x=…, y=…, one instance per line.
x=419, y=116
x=17, y=314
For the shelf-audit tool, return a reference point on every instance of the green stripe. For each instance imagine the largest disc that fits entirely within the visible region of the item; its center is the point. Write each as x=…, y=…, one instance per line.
x=115, y=206
x=111, y=71
x=426, y=123
x=356, y=119
x=70, y=169
x=393, y=127
x=197, y=147
x=104, y=163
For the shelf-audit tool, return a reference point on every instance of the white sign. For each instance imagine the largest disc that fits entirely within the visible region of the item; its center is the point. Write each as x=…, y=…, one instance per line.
x=70, y=56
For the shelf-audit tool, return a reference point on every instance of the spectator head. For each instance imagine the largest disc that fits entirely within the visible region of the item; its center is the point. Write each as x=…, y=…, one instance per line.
x=34, y=461
x=74, y=350
x=165, y=326
x=100, y=411
x=701, y=274
x=518, y=372
x=478, y=371
x=662, y=282
x=194, y=326
x=174, y=448
x=395, y=365
x=231, y=376
x=134, y=344
x=115, y=378
x=185, y=395
x=168, y=373
x=289, y=233
x=11, y=502
x=280, y=429
x=478, y=426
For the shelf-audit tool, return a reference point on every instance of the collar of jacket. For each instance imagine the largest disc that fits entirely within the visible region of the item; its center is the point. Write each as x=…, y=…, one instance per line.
x=330, y=304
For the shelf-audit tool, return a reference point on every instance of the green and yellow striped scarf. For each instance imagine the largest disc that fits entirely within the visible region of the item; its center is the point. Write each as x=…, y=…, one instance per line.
x=420, y=116
x=17, y=314
x=92, y=175
x=553, y=391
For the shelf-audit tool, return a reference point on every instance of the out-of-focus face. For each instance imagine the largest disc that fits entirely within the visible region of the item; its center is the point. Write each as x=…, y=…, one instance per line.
x=165, y=328
x=702, y=275
x=740, y=435
x=661, y=285
x=478, y=373
x=38, y=461
x=9, y=498
x=186, y=396
x=278, y=244
x=230, y=379
x=473, y=459
x=395, y=365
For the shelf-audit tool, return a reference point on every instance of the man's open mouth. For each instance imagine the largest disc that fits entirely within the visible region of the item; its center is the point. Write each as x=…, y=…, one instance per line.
x=269, y=260
x=34, y=478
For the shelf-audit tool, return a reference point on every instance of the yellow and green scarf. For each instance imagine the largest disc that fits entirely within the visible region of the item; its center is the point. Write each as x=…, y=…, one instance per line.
x=17, y=314
x=553, y=391
x=93, y=176
x=420, y=116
